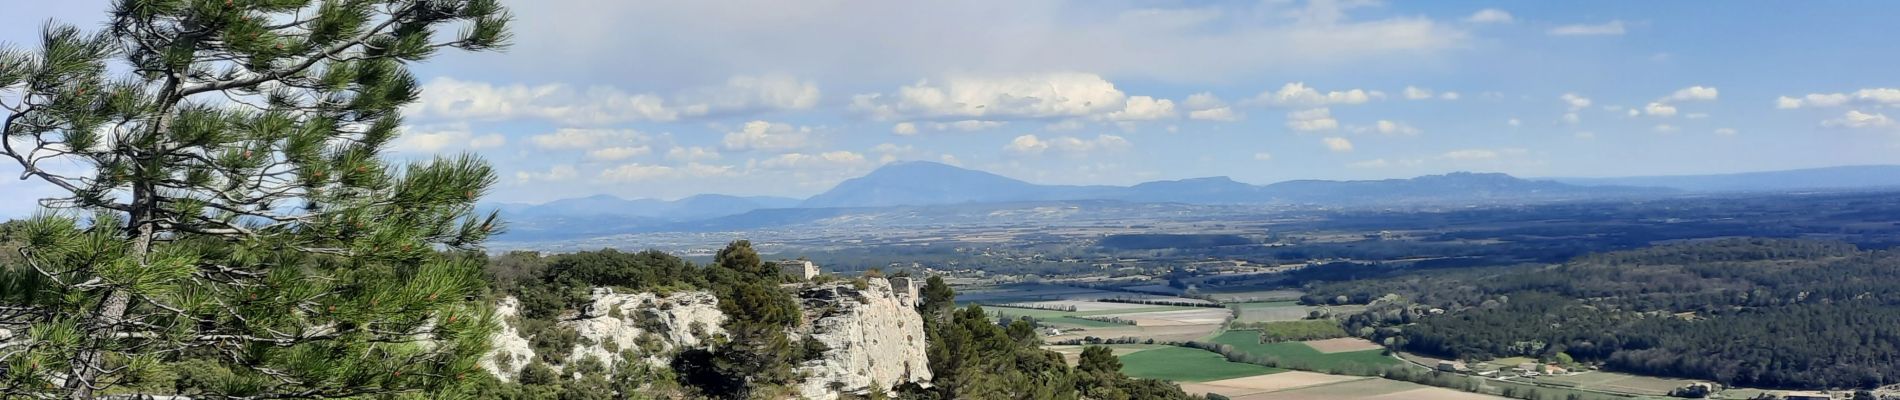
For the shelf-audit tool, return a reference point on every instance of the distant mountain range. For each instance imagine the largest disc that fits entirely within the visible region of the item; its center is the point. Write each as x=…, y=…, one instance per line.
x=912, y=185
x=1848, y=177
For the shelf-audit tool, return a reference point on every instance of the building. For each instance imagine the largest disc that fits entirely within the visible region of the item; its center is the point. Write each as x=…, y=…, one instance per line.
x=1452, y=366
x=906, y=289
x=797, y=269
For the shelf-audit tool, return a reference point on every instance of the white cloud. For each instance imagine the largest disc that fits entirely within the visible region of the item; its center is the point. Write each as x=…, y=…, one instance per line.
x=767, y=136
x=1858, y=119
x=1585, y=135
x=1144, y=108
x=637, y=172
x=825, y=160
x=1490, y=16
x=556, y=173
x=904, y=128
x=1385, y=127
x=618, y=153
x=1205, y=106
x=751, y=93
x=1337, y=144
x=1513, y=122
x=1666, y=128
x=1725, y=131
x=1695, y=115
x=1614, y=27
x=950, y=159
x=1871, y=96
x=1225, y=114
x=1573, y=119
x=1659, y=109
x=451, y=99
x=1263, y=156
x=1448, y=96
x=1417, y=93
x=1318, y=119
x=1693, y=93
x=692, y=153
x=1032, y=145
x=1065, y=125
x=1575, y=101
x=577, y=138
x=438, y=138
x=1634, y=112
x=1029, y=96
x=1296, y=94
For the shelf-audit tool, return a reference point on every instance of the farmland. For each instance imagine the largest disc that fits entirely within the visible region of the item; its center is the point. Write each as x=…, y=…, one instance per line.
x=1302, y=355
x=1184, y=364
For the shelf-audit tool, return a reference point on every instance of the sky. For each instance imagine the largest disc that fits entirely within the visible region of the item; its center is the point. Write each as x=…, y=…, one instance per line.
x=665, y=99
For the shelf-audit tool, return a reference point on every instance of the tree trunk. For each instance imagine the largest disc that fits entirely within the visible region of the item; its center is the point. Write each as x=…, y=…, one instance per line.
x=86, y=370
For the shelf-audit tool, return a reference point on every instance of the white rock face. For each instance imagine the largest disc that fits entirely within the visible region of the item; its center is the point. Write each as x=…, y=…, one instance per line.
x=507, y=348
x=682, y=320
x=874, y=339
x=614, y=321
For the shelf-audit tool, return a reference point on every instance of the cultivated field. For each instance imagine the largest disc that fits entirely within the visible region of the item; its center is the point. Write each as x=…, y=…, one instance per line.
x=1271, y=311
x=1186, y=365
x=1238, y=387
x=1342, y=345
x=1368, y=389
x=1302, y=355
x=1617, y=382
x=1257, y=296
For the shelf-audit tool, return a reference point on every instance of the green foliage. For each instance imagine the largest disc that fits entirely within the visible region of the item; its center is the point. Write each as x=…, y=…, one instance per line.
x=237, y=231
x=1744, y=312
x=1098, y=359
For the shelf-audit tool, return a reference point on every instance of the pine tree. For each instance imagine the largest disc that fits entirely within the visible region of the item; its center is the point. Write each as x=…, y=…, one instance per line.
x=231, y=230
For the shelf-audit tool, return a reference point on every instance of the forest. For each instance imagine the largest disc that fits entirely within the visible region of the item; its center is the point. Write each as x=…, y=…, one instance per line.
x=1779, y=313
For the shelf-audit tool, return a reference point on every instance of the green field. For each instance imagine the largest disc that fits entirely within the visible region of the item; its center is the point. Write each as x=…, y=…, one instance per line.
x=1069, y=317
x=1187, y=365
x=1296, y=353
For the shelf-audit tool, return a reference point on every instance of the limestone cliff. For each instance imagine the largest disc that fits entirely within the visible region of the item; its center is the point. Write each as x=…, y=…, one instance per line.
x=872, y=333
x=873, y=336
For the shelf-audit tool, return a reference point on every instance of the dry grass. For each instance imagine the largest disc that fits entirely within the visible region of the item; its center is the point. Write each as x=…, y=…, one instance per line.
x=1341, y=345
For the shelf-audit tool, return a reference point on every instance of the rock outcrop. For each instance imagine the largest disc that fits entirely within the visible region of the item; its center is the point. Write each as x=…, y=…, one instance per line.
x=873, y=336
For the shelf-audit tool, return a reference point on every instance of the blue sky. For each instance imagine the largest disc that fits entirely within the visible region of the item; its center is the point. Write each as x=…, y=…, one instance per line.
x=666, y=99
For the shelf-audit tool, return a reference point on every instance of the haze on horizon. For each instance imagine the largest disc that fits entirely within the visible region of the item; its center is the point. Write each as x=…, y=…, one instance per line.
x=669, y=99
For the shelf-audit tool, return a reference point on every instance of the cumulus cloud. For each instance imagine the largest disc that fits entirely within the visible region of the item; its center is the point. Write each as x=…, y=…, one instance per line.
x=578, y=138
x=1490, y=16
x=824, y=160
x=1868, y=96
x=434, y=139
x=556, y=173
x=1069, y=145
x=452, y=99
x=1144, y=108
x=1666, y=128
x=1385, y=127
x=1659, y=109
x=1858, y=119
x=968, y=125
x=1318, y=119
x=1513, y=122
x=1205, y=106
x=1373, y=163
x=1693, y=93
x=767, y=136
x=1483, y=154
x=1297, y=94
x=1263, y=156
x=1725, y=131
x=1337, y=144
x=1418, y=93
x=1614, y=27
x=1575, y=101
x=618, y=153
x=1028, y=96
x=692, y=153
